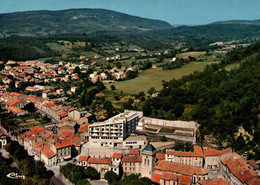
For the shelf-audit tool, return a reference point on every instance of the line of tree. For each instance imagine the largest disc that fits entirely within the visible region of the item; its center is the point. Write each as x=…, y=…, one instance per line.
x=79, y=174
x=35, y=172
x=113, y=179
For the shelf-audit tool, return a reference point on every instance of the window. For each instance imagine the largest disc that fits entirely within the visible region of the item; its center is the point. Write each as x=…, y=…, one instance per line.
x=125, y=168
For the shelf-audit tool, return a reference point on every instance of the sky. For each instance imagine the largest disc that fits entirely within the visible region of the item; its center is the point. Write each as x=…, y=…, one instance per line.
x=191, y=12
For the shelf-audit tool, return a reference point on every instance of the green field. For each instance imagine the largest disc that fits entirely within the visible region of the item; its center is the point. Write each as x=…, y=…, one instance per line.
x=192, y=54
x=154, y=77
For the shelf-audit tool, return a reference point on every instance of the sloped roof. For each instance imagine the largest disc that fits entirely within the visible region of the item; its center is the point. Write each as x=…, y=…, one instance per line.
x=219, y=181
x=156, y=178
x=160, y=156
x=169, y=176
x=83, y=128
x=62, y=144
x=132, y=159
x=196, y=153
x=99, y=161
x=134, y=151
x=210, y=152
x=225, y=151
x=241, y=170
x=185, y=180
x=48, y=152
x=149, y=148
x=180, y=168
x=13, y=102
x=83, y=158
x=117, y=155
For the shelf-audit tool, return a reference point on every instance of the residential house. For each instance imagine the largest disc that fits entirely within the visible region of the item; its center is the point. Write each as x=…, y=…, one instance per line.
x=62, y=148
x=194, y=158
x=102, y=165
x=82, y=160
x=132, y=165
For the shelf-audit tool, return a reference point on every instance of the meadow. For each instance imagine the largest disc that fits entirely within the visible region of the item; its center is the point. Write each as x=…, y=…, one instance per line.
x=154, y=77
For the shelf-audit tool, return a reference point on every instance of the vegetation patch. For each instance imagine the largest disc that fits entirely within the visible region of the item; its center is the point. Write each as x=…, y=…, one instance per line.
x=167, y=130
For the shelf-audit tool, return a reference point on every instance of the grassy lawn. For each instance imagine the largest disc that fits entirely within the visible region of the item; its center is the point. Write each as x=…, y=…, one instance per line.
x=59, y=48
x=232, y=66
x=154, y=77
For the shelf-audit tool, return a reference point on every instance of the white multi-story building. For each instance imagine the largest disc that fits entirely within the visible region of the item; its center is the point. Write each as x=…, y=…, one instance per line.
x=114, y=131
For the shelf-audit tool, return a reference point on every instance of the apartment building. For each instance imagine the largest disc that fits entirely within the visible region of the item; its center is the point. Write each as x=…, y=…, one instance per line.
x=114, y=131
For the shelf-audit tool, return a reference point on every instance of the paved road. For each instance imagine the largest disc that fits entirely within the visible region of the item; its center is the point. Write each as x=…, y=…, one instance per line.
x=98, y=182
x=59, y=180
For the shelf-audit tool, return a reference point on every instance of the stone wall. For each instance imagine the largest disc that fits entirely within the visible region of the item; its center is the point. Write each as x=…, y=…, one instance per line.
x=167, y=123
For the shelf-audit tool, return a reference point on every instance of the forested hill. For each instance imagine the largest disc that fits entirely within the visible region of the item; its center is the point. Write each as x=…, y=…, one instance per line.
x=225, y=103
x=73, y=21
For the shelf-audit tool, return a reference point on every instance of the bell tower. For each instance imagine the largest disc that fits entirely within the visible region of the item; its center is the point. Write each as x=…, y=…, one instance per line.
x=148, y=161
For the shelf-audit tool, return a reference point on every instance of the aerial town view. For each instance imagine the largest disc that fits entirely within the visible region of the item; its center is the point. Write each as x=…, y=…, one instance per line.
x=148, y=92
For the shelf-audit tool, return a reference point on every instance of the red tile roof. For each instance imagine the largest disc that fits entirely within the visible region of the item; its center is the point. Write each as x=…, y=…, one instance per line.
x=132, y=159
x=71, y=109
x=99, y=161
x=227, y=150
x=185, y=180
x=13, y=102
x=197, y=152
x=169, y=176
x=210, y=152
x=49, y=104
x=83, y=158
x=241, y=170
x=62, y=113
x=46, y=136
x=16, y=110
x=22, y=68
x=46, y=91
x=62, y=144
x=156, y=178
x=38, y=130
x=180, y=168
x=38, y=144
x=214, y=182
x=134, y=151
x=65, y=134
x=160, y=156
x=83, y=128
x=48, y=152
x=117, y=155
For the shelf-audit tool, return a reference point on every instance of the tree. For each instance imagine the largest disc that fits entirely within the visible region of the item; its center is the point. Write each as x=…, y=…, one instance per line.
x=131, y=74
x=77, y=70
x=91, y=173
x=113, y=87
x=118, y=65
x=151, y=91
x=111, y=176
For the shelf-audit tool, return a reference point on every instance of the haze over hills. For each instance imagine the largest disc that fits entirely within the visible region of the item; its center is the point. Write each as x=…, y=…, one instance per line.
x=41, y=23
x=245, y=22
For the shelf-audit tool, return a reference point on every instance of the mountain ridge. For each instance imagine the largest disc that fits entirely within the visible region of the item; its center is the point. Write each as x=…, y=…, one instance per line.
x=77, y=21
